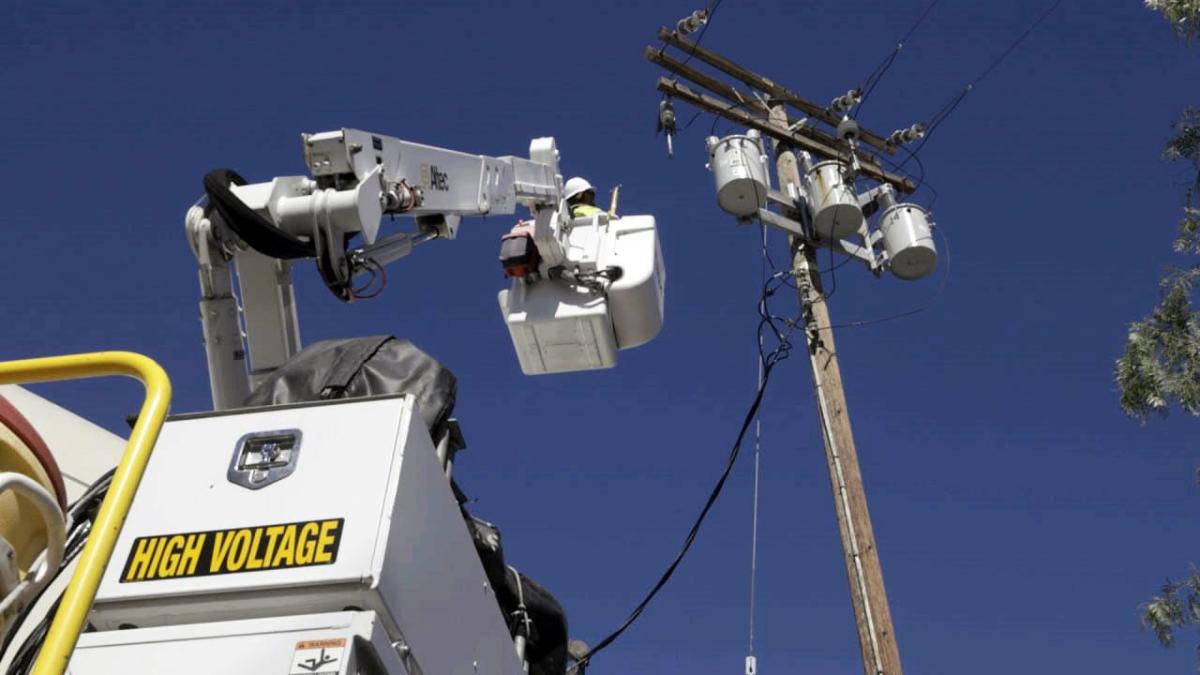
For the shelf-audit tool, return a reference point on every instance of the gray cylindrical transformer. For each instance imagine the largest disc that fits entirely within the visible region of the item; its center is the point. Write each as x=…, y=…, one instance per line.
x=908, y=239
x=740, y=170
x=835, y=209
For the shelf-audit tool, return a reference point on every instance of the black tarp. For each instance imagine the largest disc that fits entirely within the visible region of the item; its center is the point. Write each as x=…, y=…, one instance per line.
x=357, y=367
x=546, y=649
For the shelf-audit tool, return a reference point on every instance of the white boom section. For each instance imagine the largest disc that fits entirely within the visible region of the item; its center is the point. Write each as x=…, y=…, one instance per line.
x=451, y=182
x=589, y=287
x=250, y=331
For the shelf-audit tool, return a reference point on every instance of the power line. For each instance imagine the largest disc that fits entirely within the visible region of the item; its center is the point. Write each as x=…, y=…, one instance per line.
x=995, y=64
x=955, y=100
x=710, y=12
x=874, y=78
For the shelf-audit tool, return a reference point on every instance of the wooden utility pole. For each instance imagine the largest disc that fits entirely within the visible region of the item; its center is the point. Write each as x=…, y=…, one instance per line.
x=877, y=637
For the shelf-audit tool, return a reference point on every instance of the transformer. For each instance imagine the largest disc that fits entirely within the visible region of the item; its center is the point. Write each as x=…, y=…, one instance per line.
x=908, y=240
x=835, y=209
x=739, y=168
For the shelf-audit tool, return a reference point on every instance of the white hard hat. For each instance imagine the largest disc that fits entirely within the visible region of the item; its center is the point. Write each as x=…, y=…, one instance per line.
x=576, y=186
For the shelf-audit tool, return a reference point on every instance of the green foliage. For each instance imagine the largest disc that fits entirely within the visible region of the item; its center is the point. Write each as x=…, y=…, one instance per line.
x=1184, y=15
x=1185, y=145
x=1177, y=607
x=1161, y=363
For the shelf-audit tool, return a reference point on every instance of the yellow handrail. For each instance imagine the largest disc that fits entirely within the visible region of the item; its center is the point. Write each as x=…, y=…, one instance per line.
x=81, y=591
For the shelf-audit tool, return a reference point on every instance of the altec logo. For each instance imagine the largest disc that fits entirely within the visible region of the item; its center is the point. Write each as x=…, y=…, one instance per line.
x=434, y=178
x=244, y=549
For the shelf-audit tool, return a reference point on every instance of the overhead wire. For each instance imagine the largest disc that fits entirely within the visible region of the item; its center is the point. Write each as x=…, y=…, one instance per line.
x=876, y=75
x=711, y=10
x=951, y=105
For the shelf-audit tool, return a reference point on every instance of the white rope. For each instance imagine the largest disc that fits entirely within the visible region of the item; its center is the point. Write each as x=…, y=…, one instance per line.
x=757, y=454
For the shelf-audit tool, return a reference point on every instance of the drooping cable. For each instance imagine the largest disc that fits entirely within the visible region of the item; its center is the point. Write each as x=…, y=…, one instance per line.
x=259, y=233
x=767, y=326
x=262, y=235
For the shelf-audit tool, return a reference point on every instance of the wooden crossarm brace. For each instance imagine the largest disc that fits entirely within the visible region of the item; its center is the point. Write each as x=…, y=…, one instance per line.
x=870, y=167
x=775, y=91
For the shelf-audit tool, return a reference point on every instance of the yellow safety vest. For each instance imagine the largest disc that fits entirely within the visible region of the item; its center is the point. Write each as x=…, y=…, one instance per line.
x=584, y=211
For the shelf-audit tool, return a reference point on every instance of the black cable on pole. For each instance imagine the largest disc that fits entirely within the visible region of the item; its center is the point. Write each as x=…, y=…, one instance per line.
x=691, y=536
x=781, y=351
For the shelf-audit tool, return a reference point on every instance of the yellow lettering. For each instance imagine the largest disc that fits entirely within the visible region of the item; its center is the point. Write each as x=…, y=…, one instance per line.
x=151, y=571
x=191, y=555
x=253, y=562
x=140, y=561
x=220, y=552
x=253, y=548
x=306, y=546
x=273, y=533
x=285, y=555
x=239, y=549
x=326, y=540
x=170, y=556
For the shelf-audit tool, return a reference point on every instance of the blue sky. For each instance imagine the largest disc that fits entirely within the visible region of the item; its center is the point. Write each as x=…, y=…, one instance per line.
x=1020, y=516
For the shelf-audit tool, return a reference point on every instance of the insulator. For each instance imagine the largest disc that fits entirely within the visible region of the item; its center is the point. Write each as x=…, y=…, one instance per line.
x=846, y=101
x=847, y=129
x=666, y=115
x=692, y=22
x=910, y=135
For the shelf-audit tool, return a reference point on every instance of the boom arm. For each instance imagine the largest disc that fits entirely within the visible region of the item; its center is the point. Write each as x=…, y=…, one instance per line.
x=357, y=178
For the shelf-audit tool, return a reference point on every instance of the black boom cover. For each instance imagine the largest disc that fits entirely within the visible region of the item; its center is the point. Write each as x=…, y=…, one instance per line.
x=367, y=366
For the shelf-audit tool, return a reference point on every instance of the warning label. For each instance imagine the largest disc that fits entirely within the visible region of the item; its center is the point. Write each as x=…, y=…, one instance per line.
x=318, y=657
x=243, y=549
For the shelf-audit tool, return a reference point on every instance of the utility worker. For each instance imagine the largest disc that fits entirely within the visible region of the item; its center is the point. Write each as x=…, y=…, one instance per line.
x=581, y=198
